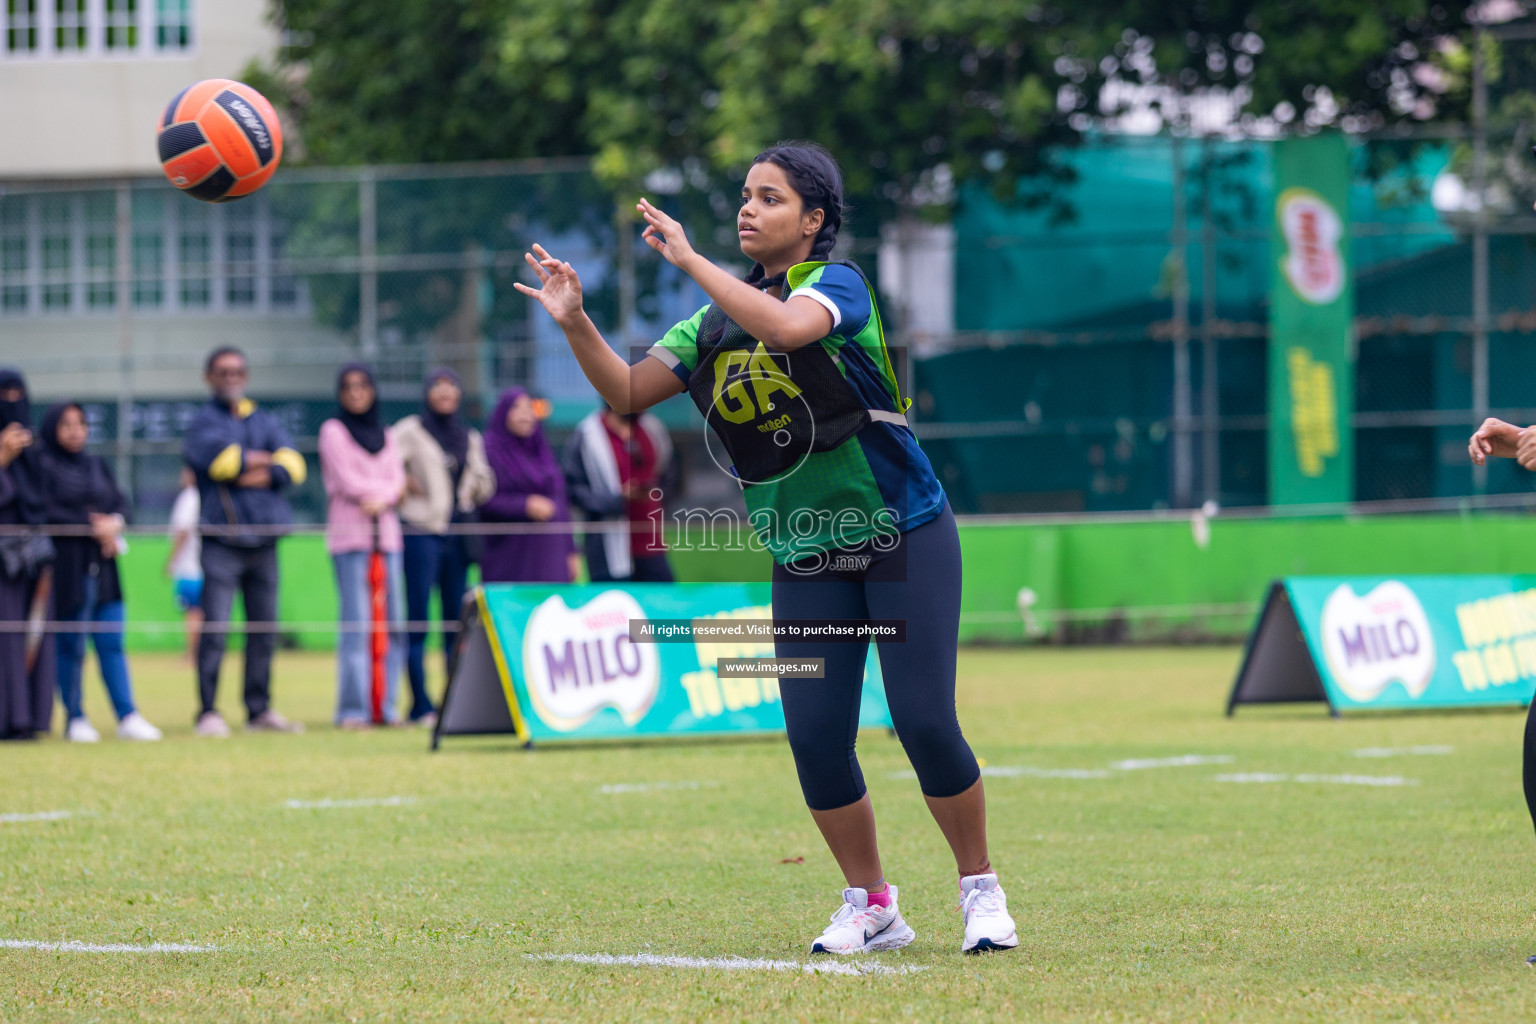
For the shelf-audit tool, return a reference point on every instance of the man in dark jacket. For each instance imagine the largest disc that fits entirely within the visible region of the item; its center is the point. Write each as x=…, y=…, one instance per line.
x=245, y=462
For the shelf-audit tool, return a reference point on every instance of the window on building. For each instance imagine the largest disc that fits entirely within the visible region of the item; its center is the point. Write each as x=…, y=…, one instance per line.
x=99, y=228
x=240, y=255
x=285, y=290
x=71, y=26
x=149, y=269
x=196, y=252
x=84, y=28
x=57, y=225
x=14, y=257
x=58, y=255
x=173, y=24
x=122, y=23
x=21, y=27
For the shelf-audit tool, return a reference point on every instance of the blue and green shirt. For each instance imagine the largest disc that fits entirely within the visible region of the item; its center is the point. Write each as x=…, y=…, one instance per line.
x=879, y=481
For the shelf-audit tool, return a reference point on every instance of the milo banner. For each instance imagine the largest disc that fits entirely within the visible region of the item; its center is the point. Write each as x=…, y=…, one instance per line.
x=548, y=663
x=1376, y=643
x=1311, y=353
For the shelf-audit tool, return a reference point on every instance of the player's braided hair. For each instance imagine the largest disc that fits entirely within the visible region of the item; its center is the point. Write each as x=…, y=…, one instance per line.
x=815, y=177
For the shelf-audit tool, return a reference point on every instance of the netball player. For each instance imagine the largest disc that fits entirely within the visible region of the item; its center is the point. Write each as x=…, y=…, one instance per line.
x=1507, y=441
x=848, y=505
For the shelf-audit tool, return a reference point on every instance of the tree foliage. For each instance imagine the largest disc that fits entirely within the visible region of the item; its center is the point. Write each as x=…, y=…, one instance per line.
x=911, y=94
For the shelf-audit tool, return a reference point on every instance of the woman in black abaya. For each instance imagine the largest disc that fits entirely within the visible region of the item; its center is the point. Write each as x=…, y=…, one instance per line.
x=26, y=655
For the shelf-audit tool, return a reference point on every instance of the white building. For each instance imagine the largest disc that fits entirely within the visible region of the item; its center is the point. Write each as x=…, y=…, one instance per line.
x=83, y=84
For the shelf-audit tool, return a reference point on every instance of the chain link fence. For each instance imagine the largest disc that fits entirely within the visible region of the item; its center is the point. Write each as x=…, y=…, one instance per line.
x=1129, y=371
x=1110, y=355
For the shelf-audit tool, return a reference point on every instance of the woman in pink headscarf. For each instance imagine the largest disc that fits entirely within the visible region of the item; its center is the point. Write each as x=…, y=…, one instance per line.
x=530, y=488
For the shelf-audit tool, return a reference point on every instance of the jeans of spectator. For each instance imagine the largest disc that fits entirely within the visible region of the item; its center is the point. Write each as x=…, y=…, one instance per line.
x=108, y=641
x=354, y=646
x=252, y=573
x=431, y=562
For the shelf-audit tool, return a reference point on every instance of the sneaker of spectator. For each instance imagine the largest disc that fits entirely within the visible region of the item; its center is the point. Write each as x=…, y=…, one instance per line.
x=212, y=725
x=271, y=721
x=81, y=730
x=137, y=727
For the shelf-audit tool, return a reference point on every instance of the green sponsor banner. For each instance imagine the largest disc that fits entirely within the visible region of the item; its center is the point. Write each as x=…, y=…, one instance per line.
x=572, y=672
x=1377, y=643
x=1311, y=353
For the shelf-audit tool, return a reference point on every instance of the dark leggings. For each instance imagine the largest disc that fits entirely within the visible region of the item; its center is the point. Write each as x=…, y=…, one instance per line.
x=918, y=582
x=1529, y=768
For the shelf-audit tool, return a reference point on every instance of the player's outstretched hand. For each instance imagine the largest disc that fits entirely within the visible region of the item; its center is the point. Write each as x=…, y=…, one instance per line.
x=1525, y=449
x=664, y=234
x=1494, y=437
x=561, y=292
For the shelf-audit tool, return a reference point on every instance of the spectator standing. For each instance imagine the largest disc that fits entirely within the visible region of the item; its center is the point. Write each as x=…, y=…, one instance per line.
x=245, y=463
x=364, y=479
x=614, y=467
x=26, y=572
x=184, y=564
x=446, y=479
x=530, y=488
x=79, y=491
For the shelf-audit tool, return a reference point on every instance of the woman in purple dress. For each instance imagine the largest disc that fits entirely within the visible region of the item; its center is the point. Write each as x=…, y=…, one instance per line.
x=530, y=489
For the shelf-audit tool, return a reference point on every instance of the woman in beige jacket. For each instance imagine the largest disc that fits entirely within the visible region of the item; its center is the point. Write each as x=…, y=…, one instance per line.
x=446, y=479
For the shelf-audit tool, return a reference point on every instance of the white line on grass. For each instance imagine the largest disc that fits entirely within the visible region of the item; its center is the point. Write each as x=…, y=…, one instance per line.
x=1403, y=751
x=724, y=963
x=11, y=819
x=105, y=947
x=1010, y=771
x=651, y=787
x=1015, y=771
x=1339, y=780
x=1137, y=764
x=325, y=805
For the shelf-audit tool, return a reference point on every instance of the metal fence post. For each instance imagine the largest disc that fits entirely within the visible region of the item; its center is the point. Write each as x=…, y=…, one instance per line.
x=623, y=227
x=1480, y=400
x=368, y=273
x=1210, y=395
x=123, y=263
x=1183, y=469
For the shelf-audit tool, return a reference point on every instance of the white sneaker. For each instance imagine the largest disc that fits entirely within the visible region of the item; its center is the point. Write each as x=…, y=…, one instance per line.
x=987, y=924
x=80, y=730
x=212, y=725
x=861, y=927
x=135, y=726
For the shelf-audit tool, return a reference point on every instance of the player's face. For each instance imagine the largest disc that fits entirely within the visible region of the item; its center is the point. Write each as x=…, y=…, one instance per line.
x=73, y=432
x=443, y=397
x=772, y=223
x=356, y=393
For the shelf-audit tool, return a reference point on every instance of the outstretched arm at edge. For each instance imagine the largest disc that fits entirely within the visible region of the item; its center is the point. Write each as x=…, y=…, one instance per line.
x=627, y=388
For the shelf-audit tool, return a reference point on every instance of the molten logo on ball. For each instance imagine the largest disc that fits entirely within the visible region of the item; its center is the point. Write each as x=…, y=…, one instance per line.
x=219, y=140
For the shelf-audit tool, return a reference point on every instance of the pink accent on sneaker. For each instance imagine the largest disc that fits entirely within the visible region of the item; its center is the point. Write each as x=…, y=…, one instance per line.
x=880, y=899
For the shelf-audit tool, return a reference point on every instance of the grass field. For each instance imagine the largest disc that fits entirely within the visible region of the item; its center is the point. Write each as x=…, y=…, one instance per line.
x=1143, y=892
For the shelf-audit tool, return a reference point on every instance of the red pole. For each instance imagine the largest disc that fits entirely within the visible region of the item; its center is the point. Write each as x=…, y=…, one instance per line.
x=380, y=633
